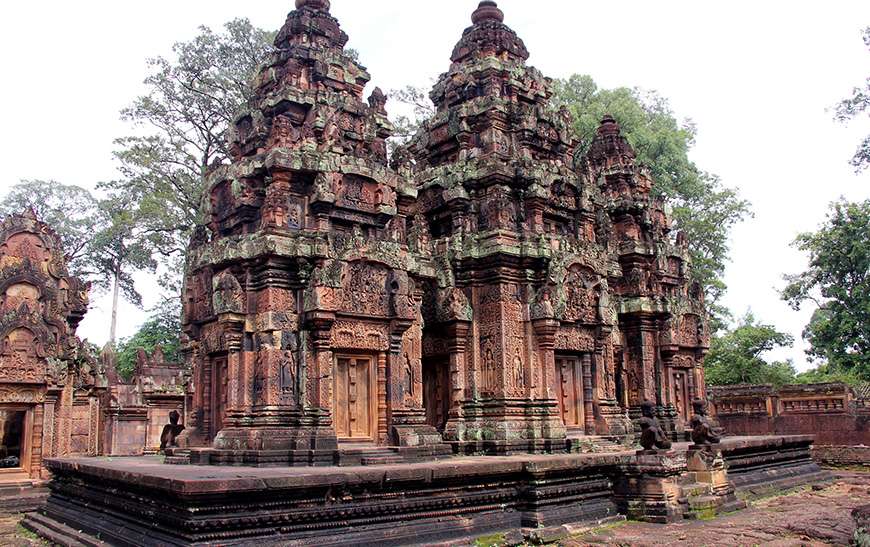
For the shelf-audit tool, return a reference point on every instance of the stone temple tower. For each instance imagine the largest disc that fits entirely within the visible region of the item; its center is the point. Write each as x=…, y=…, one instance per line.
x=491, y=290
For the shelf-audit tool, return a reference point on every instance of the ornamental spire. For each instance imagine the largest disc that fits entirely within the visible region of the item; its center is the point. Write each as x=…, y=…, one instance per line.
x=487, y=11
x=320, y=5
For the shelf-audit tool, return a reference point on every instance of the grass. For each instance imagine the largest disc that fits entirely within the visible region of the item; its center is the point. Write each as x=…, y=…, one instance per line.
x=492, y=540
x=24, y=533
x=601, y=530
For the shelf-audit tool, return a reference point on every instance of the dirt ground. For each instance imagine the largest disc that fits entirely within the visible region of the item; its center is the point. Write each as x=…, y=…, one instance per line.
x=12, y=535
x=806, y=518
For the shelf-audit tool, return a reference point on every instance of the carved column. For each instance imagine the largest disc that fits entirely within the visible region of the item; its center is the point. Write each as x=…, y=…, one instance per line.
x=232, y=326
x=457, y=338
x=320, y=371
x=545, y=330
x=545, y=333
x=382, y=391
x=641, y=356
x=588, y=413
x=457, y=334
x=48, y=444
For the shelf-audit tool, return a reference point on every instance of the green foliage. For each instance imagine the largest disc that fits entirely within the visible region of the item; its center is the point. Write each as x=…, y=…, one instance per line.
x=823, y=373
x=162, y=329
x=837, y=282
x=852, y=107
x=416, y=107
x=118, y=250
x=180, y=125
x=702, y=207
x=71, y=211
x=736, y=357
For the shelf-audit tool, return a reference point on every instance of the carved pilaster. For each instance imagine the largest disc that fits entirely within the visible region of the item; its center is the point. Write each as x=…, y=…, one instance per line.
x=545, y=333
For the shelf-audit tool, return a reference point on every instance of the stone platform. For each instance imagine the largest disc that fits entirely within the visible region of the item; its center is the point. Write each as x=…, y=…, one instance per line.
x=141, y=501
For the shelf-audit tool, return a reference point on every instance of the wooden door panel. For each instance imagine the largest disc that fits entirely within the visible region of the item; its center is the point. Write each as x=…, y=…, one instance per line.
x=354, y=398
x=569, y=391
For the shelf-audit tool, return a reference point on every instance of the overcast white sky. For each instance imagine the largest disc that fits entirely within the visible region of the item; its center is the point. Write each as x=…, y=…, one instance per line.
x=756, y=77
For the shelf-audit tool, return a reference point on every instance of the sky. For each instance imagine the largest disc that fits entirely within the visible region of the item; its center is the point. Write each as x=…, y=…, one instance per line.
x=757, y=78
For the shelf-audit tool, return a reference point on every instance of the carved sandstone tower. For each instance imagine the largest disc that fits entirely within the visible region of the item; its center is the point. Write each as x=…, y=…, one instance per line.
x=569, y=303
x=661, y=313
x=301, y=310
x=493, y=288
x=49, y=382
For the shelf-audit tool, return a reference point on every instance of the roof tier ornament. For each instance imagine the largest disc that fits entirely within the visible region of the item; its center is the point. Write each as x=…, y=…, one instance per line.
x=487, y=11
x=313, y=4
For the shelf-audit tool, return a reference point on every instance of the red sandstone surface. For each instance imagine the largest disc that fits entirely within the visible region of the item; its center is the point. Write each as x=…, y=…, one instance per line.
x=807, y=518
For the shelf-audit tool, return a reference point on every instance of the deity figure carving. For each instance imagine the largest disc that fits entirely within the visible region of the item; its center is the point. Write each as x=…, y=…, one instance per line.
x=702, y=430
x=651, y=435
x=171, y=431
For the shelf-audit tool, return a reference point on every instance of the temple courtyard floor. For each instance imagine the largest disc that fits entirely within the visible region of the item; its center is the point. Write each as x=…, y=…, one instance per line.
x=806, y=517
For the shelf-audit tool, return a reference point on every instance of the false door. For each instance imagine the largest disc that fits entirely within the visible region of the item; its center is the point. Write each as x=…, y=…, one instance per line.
x=569, y=391
x=355, y=403
x=680, y=391
x=436, y=392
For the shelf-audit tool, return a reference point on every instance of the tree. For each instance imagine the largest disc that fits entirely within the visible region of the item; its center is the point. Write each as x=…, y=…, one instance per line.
x=162, y=329
x=850, y=108
x=182, y=120
x=702, y=207
x=736, y=357
x=71, y=211
x=416, y=106
x=115, y=252
x=837, y=282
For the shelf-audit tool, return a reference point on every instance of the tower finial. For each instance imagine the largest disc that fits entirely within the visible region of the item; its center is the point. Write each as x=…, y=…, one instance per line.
x=487, y=11
x=313, y=4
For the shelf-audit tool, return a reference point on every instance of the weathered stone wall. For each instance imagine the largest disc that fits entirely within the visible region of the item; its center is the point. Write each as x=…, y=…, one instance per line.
x=135, y=412
x=832, y=412
x=842, y=456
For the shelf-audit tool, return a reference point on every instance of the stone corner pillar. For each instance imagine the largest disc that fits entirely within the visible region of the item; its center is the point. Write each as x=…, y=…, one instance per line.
x=457, y=340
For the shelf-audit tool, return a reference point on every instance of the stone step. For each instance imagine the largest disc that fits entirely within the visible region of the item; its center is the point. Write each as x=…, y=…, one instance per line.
x=384, y=460
x=57, y=533
x=369, y=455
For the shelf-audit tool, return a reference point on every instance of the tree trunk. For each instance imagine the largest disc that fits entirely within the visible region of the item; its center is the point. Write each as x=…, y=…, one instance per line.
x=115, y=291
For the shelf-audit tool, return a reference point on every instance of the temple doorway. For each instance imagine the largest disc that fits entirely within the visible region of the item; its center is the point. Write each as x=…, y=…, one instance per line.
x=436, y=391
x=355, y=398
x=14, y=440
x=569, y=390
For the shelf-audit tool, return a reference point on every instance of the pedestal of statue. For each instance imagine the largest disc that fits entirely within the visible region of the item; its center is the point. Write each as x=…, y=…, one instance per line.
x=649, y=489
x=708, y=490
